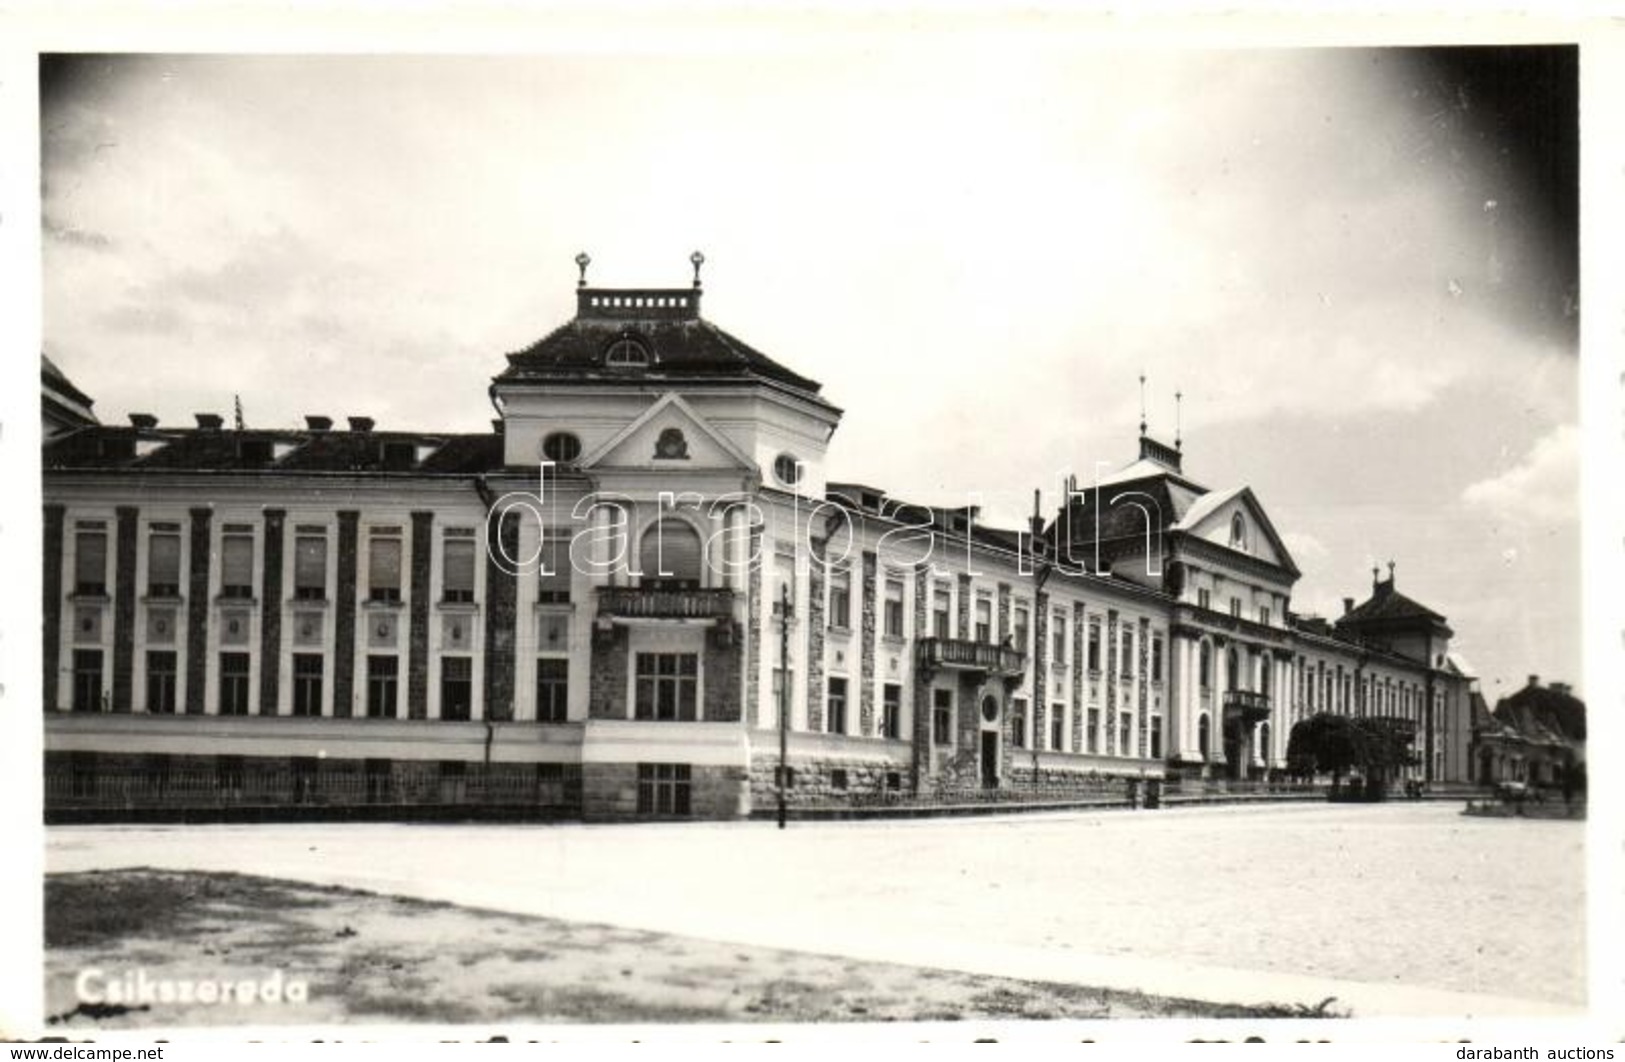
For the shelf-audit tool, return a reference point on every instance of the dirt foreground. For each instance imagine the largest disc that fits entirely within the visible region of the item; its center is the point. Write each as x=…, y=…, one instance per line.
x=169, y=949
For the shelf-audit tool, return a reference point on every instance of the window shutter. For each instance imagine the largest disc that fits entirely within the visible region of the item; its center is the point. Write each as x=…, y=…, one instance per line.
x=310, y=562
x=237, y=561
x=90, y=565
x=671, y=550
x=164, y=560
x=384, y=564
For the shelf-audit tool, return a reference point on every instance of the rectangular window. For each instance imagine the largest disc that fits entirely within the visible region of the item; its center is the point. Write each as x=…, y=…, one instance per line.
x=458, y=574
x=1235, y=607
x=164, y=561
x=383, y=686
x=942, y=716
x=1058, y=639
x=552, y=689
x=87, y=680
x=941, y=611
x=1018, y=723
x=894, y=608
x=984, y=620
x=1093, y=736
x=663, y=788
x=161, y=681
x=1128, y=654
x=1057, y=727
x=835, y=706
x=456, y=688
x=1264, y=616
x=1094, y=646
x=384, y=564
x=1156, y=659
x=310, y=564
x=1156, y=737
x=237, y=563
x=840, y=598
x=667, y=686
x=1021, y=624
x=90, y=563
x=307, y=684
x=891, y=711
x=233, y=683
x=556, y=570
x=1204, y=599
x=1125, y=735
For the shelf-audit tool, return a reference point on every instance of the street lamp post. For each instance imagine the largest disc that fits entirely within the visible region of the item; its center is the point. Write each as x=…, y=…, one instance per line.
x=784, y=696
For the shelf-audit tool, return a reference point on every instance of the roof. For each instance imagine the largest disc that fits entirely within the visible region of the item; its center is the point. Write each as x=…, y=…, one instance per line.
x=681, y=344
x=65, y=403
x=1544, y=713
x=261, y=450
x=1387, y=605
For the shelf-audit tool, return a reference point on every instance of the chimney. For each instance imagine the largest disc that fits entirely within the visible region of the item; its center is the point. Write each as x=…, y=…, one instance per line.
x=1562, y=687
x=143, y=421
x=208, y=421
x=1534, y=680
x=1348, y=605
x=315, y=423
x=361, y=423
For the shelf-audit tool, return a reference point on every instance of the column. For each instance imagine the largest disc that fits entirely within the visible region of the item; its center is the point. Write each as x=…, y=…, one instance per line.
x=51, y=604
x=197, y=610
x=344, y=616
x=417, y=651
x=271, y=612
x=501, y=608
x=124, y=609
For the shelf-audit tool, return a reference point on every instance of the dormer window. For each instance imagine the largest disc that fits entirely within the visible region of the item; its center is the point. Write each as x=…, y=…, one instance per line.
x=1238, y=532
x=627, y=353
x=561, y=446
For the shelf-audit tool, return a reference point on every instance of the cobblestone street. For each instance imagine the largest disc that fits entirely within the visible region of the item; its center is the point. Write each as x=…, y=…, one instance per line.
x=1397, y=909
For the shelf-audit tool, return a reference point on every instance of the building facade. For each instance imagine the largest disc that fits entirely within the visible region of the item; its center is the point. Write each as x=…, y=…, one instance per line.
x=604, y=607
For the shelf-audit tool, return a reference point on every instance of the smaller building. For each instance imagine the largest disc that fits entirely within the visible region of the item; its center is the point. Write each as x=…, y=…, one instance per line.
x=1536, y=736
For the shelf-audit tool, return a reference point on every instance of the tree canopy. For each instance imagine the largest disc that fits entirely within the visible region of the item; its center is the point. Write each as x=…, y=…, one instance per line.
x=1338, y=744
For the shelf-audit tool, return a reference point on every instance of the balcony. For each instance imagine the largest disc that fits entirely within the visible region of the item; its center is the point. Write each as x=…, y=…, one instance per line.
x=961, y=655
x=635, y=602
x=1247, y=705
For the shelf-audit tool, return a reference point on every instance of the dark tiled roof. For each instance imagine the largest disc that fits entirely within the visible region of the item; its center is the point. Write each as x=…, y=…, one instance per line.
x=58, y=380
x=1172, y=501
x=259, y=450
x=1387, y=605
x=693, y=349
x=1544, y=713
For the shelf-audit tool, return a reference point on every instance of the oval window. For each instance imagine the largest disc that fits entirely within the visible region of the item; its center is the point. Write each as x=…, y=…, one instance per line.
x=990, y=709
x=561, y=446
x=787, y=470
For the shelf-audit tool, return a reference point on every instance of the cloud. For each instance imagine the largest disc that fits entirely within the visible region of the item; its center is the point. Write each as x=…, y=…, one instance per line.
x=1304, y=547
x=1543, y=486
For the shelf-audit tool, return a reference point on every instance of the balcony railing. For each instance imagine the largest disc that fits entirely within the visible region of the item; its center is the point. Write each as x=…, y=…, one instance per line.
x=1247, y=703
x=972, y=656
x=634, y=602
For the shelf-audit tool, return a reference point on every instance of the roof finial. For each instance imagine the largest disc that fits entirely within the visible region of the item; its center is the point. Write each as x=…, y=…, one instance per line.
x=1142, y=403
x=1376, y=576
x=583, y=260
x=1178, y=396
x=1390, y=573
x=698, y=259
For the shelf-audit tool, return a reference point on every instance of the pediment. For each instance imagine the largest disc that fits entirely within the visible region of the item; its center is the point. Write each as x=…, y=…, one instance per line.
x=1214, y=519
x=668, y=436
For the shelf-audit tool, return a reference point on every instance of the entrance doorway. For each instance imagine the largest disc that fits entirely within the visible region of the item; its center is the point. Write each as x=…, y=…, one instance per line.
x=990, y=759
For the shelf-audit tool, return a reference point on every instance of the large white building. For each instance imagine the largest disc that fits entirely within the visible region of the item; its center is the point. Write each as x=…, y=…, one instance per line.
x=580, y=612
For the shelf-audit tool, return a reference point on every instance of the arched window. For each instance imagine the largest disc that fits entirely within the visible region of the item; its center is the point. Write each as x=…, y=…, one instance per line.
x=1238, y=532
x=1264, y=741
x=1206, y=667
x=1264, y=675
x=1204, y=737
x=670, y=555
x=626, y=353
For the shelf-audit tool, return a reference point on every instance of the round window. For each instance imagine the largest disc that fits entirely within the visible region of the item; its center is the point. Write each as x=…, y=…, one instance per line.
x=561, y=446
x=787, y=469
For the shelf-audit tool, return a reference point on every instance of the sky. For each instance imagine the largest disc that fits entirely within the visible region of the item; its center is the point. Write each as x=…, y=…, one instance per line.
x=1357, y=266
